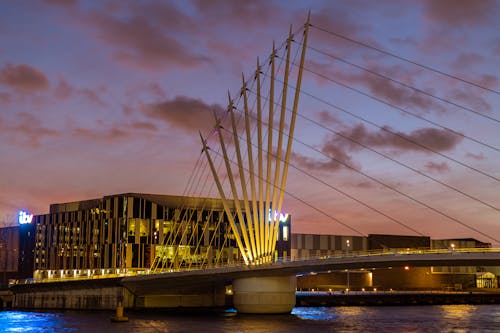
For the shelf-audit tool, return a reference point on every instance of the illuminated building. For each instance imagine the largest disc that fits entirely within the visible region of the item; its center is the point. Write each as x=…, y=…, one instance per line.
x=128, y=231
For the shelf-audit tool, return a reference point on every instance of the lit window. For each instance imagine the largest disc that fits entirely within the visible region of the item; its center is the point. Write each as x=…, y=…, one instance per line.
x=285, y=233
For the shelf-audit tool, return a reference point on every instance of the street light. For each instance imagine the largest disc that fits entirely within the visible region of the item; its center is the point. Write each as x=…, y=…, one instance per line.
x=347, y=244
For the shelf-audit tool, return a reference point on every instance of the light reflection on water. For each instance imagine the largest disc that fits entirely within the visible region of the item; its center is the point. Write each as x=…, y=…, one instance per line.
x=415, y=319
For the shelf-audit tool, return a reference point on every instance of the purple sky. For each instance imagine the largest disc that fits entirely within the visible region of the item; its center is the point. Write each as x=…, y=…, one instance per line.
x=106, y=97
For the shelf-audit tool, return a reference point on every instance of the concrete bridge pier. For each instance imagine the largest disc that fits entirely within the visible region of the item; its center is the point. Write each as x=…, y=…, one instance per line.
x=267, y=294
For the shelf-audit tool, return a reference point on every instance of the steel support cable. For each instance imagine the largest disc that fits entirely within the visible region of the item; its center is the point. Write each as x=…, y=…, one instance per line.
x=317, y=209
x=406, y=138
x=209, y=247
x=402, y=110
x=405, y=59
x=188, y=189
x=411, y=168
x=350, y=196
x=384, y=184
x=402, y=83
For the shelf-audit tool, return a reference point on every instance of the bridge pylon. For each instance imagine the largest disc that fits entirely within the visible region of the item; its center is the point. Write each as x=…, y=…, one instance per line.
x=257, y=214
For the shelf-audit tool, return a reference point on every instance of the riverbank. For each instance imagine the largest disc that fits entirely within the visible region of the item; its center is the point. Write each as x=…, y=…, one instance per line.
x=314, y=299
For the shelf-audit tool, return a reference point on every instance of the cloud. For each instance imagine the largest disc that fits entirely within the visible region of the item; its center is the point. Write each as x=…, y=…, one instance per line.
x=64, y=90
x=339, y=20
x=309, y=163
x=93, y=95
x=468, y=59
x=365, y=185
x=112, y=134
x=5, y=98
x=186, y=113
x=459, y=12
x=62, y=3
x=144, y=125
x=405, y=41
x=431, y=138
x=489, y=80
x=476, y=102
x=23, y=78
x=478, y=157
x=326, y=117
x=144, y=42
x=26, y=131
x=241, y=13
x=437, y=167
x=352, y=139
x=380, y=88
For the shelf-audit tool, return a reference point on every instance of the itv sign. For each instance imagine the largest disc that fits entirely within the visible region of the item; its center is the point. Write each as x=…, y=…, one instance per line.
x=24, y=217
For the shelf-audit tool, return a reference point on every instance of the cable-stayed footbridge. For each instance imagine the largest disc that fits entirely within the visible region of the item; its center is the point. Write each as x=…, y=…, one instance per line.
x=249, y=156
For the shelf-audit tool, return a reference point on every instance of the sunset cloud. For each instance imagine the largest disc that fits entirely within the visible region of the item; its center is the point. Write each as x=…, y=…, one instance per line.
x=437, y=167
x=23, y=78
x=478, y=157
x=418, y=140
x=341, y=149
x=26, y=131
x=186, y=113
x=64, y=91
x=106, y=135
x=144, y=43
x=381, y=88
x=460, y=12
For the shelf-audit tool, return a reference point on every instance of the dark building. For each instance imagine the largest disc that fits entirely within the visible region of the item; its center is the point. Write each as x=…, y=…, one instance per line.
x=16, y=253
x=380, y=242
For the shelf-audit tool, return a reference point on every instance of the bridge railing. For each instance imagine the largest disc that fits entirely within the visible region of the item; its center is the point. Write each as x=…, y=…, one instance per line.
x=393, y=252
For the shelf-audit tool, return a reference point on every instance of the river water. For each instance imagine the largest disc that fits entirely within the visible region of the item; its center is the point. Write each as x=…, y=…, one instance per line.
x=445, y=318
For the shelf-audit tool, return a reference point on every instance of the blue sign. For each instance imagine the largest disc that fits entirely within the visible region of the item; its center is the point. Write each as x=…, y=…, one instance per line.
x=24, y=217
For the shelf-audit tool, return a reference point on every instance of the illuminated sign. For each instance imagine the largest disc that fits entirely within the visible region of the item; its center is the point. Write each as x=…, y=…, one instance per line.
x=282, y=217
x=24, y=217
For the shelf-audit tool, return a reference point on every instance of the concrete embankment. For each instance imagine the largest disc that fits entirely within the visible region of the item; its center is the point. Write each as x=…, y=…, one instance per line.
x=6, y=298
x=395, y=298
x=102, y=294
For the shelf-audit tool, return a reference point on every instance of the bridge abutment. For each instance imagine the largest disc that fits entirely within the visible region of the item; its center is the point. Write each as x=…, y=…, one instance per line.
x=267, y=294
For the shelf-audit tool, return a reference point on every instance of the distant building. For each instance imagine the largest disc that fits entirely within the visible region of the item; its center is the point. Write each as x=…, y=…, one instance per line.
x=313, y=245
x=380, y=241
x=481, y=275
x=396, y=278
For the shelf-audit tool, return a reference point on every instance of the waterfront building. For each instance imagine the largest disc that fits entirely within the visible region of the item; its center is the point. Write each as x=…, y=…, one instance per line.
x=305, y=246
x=17, y=251
x=395, y=278
x=482, y=277
x=134, y=232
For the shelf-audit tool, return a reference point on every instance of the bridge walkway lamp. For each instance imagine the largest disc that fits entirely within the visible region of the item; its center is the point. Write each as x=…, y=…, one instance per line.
x=347, y=245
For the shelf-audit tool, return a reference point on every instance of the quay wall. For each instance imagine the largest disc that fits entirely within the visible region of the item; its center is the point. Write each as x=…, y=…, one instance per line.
x=99, y=294
x=396, y=298
x=106, y=298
